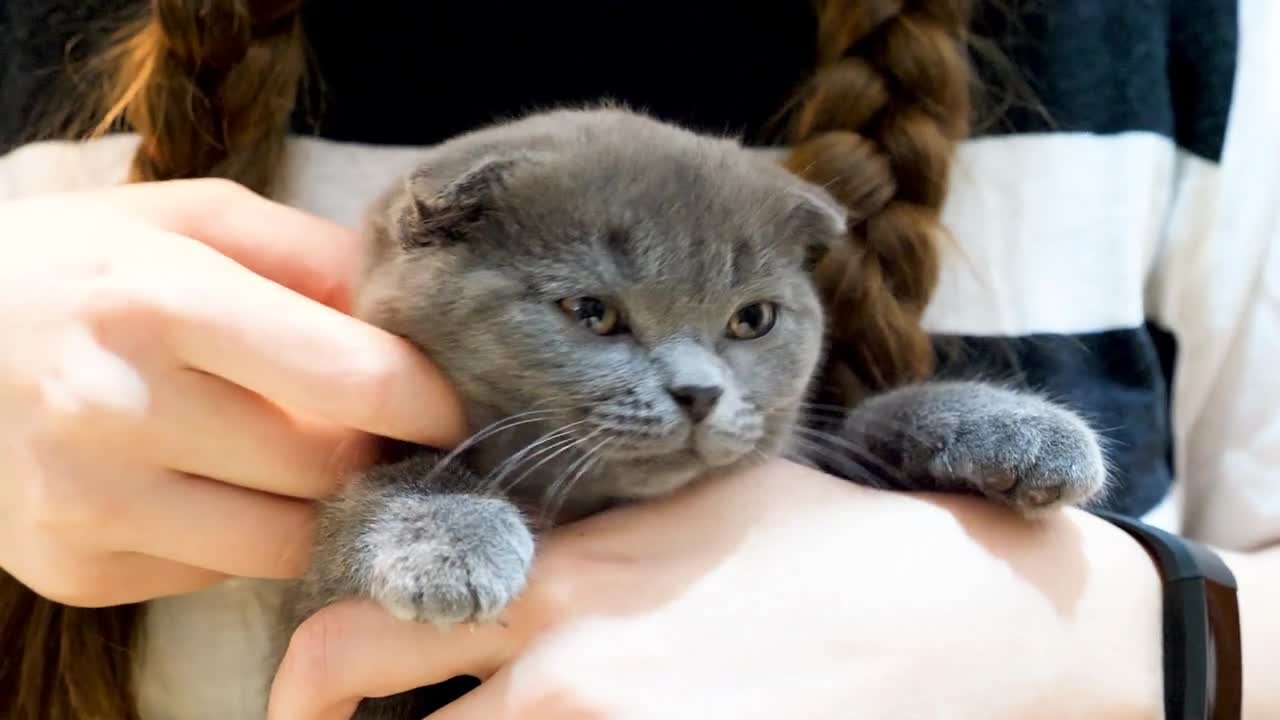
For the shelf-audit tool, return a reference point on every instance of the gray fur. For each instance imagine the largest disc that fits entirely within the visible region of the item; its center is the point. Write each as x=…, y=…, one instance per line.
x=428, y=546
x=468, y=259
x=1012, y=446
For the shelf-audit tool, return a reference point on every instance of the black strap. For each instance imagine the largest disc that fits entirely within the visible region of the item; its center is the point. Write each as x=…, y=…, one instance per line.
x=1202, y=659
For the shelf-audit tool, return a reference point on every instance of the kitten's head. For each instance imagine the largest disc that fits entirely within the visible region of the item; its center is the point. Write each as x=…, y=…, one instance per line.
x=633, y=298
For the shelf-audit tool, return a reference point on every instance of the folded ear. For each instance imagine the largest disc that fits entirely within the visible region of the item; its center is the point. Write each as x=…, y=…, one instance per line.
x=816, y=218
x=819, y=221
x=443, y=209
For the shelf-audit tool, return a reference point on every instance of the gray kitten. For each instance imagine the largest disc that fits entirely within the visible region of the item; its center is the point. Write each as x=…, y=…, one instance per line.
x=626, y=306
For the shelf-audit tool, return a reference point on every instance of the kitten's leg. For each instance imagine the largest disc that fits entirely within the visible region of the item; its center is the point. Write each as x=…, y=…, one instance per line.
x=422, y=541
x=1012, y=446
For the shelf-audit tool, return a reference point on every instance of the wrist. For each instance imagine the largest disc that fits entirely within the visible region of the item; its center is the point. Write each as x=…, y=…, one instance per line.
x=1058, y=617
x=1080, y=631
x=1113, y=664
x=1258, y=578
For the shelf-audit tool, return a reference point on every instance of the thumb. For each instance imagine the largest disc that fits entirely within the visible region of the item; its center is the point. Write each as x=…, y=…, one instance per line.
x=354, y=649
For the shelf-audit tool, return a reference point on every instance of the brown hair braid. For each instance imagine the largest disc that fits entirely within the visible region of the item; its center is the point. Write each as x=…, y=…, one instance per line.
x=877, y=125
x=214, y=89
x=209, y=86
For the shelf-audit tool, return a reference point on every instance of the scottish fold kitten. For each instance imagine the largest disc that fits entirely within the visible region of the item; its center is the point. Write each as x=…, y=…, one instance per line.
x=625, y=307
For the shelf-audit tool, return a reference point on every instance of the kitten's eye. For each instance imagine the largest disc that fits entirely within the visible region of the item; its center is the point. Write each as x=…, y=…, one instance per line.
x=594, y=314
x=753, y=321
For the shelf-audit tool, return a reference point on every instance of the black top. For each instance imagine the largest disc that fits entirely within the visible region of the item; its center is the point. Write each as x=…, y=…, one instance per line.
x=427, y=71
x=416, y=73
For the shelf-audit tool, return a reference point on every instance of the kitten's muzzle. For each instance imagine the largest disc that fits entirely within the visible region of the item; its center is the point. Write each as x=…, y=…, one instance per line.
x=689, y=425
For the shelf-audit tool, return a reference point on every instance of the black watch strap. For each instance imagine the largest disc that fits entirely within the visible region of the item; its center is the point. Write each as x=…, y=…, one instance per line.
x=1202, y=674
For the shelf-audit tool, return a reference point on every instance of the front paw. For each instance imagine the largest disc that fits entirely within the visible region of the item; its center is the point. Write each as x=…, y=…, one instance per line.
x=449, y=559
x=1032, y=458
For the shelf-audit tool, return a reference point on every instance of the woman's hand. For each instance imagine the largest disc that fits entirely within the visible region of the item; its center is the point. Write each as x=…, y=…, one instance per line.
x=177, y=377
x=782, y=593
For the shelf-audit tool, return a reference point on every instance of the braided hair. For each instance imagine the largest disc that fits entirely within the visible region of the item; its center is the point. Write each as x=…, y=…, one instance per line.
x=877, y=125
x=208, y=87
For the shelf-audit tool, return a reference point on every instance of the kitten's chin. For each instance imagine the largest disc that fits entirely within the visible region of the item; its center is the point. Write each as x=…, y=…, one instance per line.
x=701, y=448
x=639, y=478
x=634, y=474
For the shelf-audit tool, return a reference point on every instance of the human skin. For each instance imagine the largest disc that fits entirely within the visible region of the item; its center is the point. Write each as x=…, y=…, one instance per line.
x=788, y=593
x=178, y=379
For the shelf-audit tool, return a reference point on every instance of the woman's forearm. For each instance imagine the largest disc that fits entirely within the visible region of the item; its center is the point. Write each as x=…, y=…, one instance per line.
x=1131, y=596
x=1112, y=654
x=1258, y=576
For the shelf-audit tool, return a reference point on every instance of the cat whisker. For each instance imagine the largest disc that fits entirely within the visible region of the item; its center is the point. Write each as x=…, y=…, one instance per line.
x=847, y=467
x=887, y=430
x=824, y=414
x=548, y=441
x=824, y=407
x=874, y=426
x=560, y=449
x=509, y=422
x=536, y=446
x=490, y=430
x=861, y=454
x=842, y=410
x=559, y=491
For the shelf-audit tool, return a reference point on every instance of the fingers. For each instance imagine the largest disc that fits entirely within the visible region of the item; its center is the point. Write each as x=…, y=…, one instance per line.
x=311, y=358
x=93, y=531
x=203, y=425
x=354, y=650
x=261, y=327
x=86, y=506
x=207, y=524
x=309, y=254
x=115, y=579
x=136, y=578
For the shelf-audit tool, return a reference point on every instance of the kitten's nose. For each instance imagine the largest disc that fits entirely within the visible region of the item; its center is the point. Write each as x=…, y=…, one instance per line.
x=697, y=401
